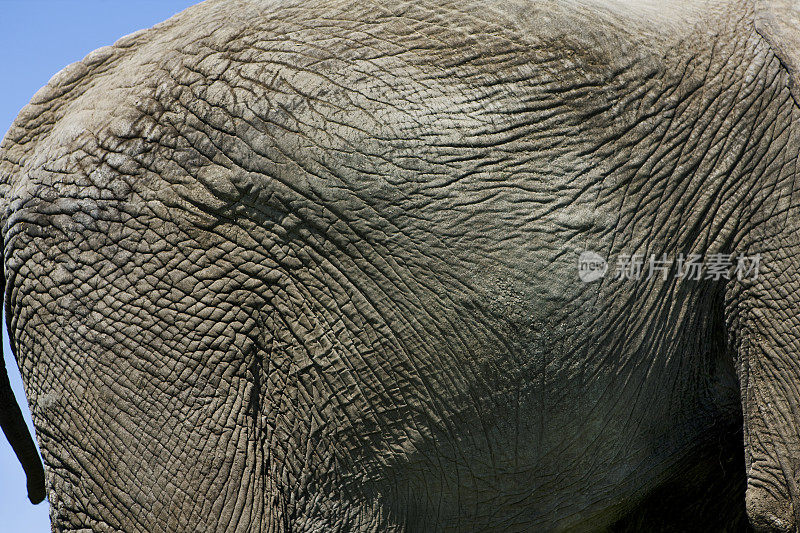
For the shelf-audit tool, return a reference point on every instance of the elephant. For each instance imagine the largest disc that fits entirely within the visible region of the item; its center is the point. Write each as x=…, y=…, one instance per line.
x=341, y=265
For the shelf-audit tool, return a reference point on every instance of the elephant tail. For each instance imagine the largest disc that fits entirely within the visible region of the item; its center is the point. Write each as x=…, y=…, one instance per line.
x=13, y=423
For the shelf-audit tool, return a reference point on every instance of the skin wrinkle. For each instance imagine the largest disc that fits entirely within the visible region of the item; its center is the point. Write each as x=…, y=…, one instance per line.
x=421, y=334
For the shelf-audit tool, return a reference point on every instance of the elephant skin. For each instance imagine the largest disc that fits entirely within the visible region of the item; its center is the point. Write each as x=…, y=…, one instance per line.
x=292, y=265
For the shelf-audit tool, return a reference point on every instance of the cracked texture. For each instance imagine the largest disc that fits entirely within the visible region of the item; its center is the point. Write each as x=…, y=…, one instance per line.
x=283, y=266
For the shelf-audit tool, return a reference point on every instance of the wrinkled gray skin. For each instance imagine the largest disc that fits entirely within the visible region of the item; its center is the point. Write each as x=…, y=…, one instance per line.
x=311, y=266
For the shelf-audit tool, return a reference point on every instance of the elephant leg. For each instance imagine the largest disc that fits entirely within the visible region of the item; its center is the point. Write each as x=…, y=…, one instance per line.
x=764, y=318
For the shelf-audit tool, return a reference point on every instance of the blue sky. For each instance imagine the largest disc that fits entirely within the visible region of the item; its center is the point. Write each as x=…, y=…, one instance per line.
x=37, y=39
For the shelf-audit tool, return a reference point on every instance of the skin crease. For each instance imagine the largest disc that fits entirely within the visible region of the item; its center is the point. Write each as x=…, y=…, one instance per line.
x=284, y=266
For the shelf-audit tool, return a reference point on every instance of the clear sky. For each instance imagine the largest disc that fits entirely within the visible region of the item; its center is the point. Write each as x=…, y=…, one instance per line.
x=37, y=39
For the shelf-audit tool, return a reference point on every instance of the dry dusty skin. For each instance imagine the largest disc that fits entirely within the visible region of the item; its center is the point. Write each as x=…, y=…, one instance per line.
x=312, y=266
